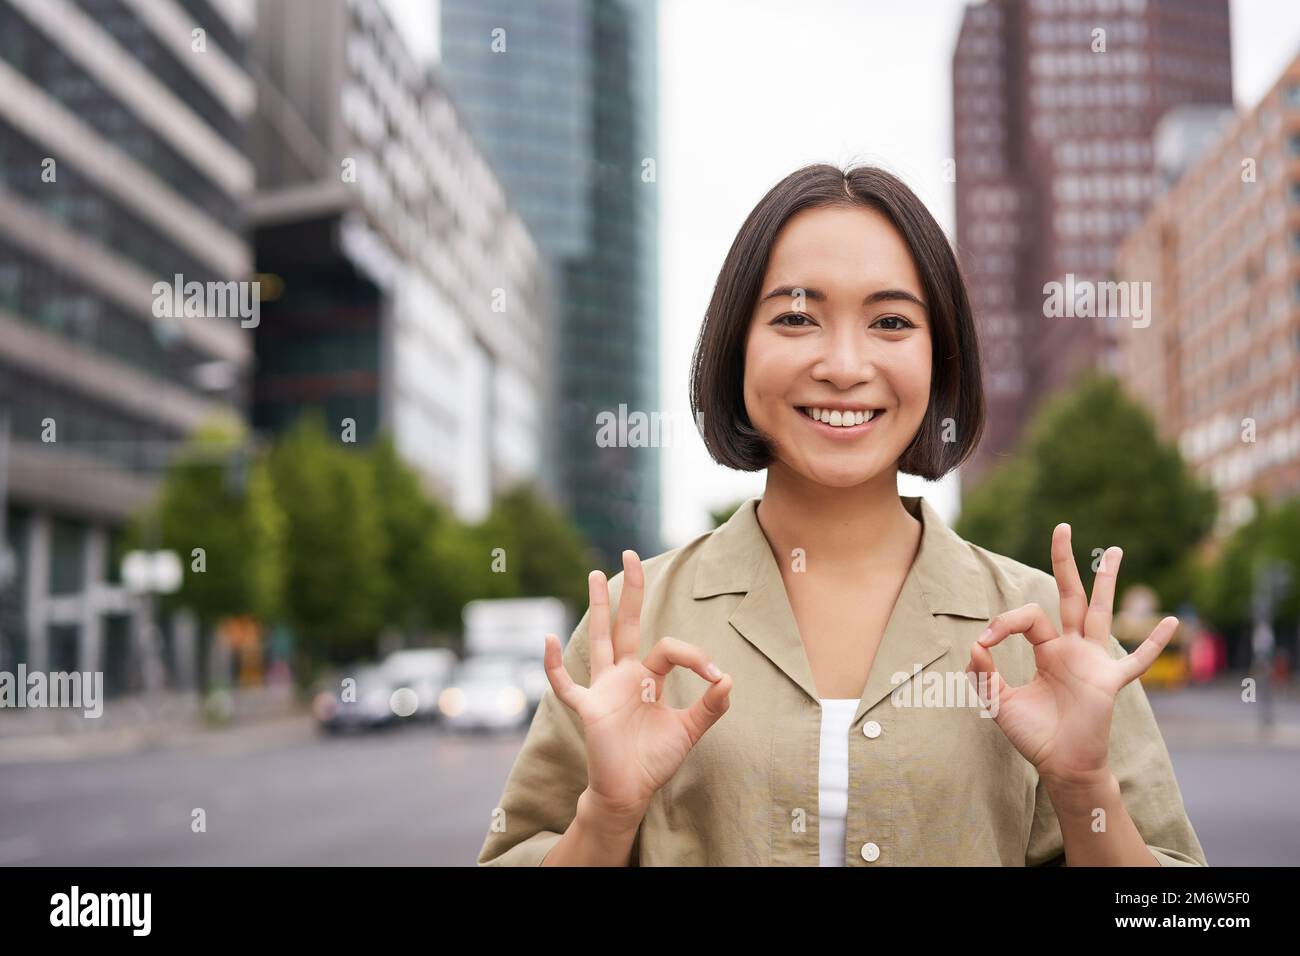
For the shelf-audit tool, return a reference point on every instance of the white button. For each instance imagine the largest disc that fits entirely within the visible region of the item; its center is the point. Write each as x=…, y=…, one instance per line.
x=870, y=852
x=871, y=729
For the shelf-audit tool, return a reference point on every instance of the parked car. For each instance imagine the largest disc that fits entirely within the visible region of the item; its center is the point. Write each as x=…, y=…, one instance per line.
x=486, y=692
x=533, y=681
x=516, y=628
x=427, y=671
x=364, y=705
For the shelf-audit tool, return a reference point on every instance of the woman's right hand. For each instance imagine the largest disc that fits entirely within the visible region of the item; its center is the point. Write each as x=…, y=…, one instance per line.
x=635, y=743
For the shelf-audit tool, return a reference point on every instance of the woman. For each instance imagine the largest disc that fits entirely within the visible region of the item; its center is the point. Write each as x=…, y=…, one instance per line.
x=841, y=629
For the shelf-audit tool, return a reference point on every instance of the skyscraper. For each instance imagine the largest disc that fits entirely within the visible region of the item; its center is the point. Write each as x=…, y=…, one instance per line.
x=1055, y=103
x=562, y=96
x=410, y=298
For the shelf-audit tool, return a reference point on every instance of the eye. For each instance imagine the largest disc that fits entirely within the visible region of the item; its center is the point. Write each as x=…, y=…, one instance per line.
x=780, y=320
x=905, y=323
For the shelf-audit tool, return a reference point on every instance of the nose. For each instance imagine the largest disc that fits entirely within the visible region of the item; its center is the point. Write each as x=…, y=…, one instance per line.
x=848, y=358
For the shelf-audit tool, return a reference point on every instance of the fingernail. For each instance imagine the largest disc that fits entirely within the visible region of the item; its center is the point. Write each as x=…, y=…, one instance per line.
x=712, y=671
x=988, y=631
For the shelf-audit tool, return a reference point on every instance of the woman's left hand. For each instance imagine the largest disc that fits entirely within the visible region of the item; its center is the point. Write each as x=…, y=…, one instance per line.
x=1060, y=720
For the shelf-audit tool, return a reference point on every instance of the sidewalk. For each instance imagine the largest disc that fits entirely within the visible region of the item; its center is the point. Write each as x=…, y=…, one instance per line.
x=135, y=724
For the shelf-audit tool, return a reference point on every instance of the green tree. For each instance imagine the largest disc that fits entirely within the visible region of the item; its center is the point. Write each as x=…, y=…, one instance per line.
x=216, y=512
x=335, y=572
x=1094, y=459
x=215, y=509
x=1282, y=544
x=992, y=515
x=461, y=561
x=543, y=553
x=1272, y=535
x=409, y=519
x=1224, y=583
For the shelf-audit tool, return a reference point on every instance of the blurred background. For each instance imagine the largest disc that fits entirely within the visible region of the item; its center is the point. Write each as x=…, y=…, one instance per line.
x=340, y=339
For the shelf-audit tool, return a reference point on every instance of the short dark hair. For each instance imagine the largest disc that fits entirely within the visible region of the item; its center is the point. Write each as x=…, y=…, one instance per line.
x=718, y=365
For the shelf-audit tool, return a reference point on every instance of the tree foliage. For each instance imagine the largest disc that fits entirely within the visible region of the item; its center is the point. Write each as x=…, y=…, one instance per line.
x=335, y=582
x=217, y=511
x=1093, y=458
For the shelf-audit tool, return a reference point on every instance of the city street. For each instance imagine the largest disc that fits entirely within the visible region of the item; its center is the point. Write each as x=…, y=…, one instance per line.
x=283, y=795
x=408, y=797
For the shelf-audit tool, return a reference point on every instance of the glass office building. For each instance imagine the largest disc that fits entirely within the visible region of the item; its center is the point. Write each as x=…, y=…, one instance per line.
x=122, y=164
x=562, y=97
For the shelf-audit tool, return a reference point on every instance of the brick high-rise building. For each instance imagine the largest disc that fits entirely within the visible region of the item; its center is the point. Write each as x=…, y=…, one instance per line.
x=1219, y=365
x=1055, y=104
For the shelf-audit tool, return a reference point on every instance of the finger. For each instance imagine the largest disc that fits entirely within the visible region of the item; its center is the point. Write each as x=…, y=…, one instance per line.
x=1096, y=624
x=564, y=686
x=602, y=650
x=627, y=628
x=669, y=652
x=1136, y=664
x=1074, y=599
x=984, y=677
x=1030, y=620
x=704, y=713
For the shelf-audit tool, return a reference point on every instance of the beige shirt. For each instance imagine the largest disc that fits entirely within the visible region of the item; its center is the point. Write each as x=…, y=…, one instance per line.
x=930, y=783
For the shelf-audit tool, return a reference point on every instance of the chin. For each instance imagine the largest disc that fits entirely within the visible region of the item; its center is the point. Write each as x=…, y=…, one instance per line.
x=842, y=474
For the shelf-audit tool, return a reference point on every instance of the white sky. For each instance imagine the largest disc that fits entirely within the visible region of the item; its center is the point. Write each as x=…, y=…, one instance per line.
x=751, y=89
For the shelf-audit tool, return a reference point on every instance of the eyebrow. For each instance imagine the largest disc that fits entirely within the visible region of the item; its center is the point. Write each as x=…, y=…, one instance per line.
x=883, y=295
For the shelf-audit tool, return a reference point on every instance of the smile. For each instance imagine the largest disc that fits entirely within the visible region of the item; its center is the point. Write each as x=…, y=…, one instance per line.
x=850, y=421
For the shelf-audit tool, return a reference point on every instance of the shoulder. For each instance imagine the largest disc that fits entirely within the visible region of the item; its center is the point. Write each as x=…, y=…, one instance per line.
x=671, y=569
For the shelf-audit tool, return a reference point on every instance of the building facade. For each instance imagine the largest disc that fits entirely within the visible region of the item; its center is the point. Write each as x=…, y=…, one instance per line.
x=1219, y=364
x=563, y=97
x=1056, y=104
x=122, y=165
x=409, y=297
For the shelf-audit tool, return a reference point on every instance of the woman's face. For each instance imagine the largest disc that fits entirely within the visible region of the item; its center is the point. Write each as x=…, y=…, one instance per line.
x=841, y=325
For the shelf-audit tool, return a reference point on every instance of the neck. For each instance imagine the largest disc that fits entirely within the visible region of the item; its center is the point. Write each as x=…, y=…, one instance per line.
x=850, y=529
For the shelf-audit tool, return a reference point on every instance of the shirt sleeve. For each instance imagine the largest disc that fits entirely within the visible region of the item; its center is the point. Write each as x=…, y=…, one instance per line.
x=1140, y=762
x=541, y=792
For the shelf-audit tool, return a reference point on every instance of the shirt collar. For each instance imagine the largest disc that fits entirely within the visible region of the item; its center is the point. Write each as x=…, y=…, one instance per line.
x=951, y=581
x=945, y=578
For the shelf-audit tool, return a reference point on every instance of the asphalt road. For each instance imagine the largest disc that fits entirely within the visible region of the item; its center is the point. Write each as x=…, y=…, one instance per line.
x=416, y=796
x=412, y=796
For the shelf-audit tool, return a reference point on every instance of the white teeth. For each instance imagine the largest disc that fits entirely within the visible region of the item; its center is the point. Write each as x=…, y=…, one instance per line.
x=839, y=418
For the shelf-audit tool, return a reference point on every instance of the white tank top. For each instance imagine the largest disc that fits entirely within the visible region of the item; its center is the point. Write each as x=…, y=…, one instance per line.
x=833, y=779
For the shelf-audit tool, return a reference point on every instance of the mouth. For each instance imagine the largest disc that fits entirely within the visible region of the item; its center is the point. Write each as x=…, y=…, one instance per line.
x=851, y=421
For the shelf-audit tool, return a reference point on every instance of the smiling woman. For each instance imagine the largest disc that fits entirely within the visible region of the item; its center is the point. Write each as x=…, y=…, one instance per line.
x=846, y=268
x=838, y=349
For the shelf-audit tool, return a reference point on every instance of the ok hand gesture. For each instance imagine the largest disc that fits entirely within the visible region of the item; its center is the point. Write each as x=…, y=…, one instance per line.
x=635, y=743
x=1060, y=720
